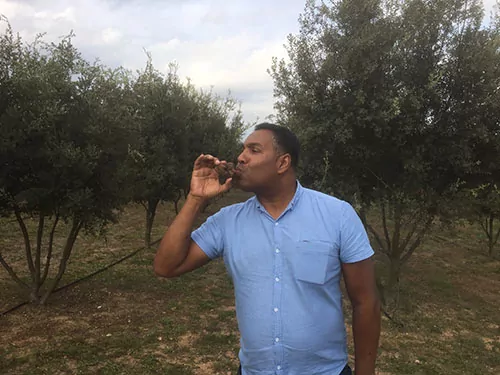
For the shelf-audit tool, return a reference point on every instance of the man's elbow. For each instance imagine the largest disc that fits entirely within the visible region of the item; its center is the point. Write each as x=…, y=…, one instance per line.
x=162, y=270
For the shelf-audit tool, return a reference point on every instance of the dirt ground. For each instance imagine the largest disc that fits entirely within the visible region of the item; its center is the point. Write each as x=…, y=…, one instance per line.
x=127, y=321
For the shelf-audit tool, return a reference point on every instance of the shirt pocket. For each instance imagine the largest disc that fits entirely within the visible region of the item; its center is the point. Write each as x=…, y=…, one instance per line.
x=311, y=261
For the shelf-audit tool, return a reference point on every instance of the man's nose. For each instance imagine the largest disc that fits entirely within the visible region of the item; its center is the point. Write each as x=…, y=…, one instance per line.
x=241, y=158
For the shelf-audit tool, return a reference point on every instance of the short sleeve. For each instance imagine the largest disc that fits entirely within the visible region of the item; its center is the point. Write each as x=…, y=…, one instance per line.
x=354, y=243
x=209, y=236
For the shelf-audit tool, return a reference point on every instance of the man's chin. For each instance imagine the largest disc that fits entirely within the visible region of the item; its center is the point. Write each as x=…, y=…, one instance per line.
x=245, y=189
x=239, y=184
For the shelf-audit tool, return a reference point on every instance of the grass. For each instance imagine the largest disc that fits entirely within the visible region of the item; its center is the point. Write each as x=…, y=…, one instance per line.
x=127, y=321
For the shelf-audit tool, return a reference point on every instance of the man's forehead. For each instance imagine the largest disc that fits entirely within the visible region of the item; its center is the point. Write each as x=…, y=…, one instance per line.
x=262, y=137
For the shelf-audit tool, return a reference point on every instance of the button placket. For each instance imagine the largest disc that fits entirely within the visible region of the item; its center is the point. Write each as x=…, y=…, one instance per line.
x=278, y=347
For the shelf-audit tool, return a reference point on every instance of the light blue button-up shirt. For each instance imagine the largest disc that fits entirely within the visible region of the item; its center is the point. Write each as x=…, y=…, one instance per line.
x=286, y=275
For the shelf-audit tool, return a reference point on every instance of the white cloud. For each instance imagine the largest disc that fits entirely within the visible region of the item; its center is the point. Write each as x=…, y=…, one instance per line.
x=488, y=4
x=228, y=45
x=110, y=35
x=224, y=45
x=67, y=14
x=13, y=9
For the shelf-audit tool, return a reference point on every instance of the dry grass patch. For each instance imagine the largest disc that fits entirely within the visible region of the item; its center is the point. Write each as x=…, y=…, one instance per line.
x=127, y=321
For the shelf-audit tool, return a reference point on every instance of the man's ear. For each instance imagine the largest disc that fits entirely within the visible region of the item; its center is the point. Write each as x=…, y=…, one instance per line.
x=284, y=163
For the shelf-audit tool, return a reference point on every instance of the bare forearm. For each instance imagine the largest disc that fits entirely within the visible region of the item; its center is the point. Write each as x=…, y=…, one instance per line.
x=366, y=332
x=174, y=246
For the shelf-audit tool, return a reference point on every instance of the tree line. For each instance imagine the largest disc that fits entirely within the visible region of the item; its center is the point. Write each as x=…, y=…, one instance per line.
x=81, y=140
x=397, y=105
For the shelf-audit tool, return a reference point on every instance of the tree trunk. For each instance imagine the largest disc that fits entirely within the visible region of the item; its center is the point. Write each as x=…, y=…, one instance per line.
x=35, y=294
x=490, y=236
x=68, y=247
x=384, y=224
x=489, y=229
x=495, y=240
x=27, y=244
x=396, y=249
x=150, y=217
x=392, y=290
x=394, y=273
x=35, y=297
x=49, y=250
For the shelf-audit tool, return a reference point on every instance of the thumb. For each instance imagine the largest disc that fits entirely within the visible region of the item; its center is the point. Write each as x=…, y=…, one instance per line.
x=227, y=185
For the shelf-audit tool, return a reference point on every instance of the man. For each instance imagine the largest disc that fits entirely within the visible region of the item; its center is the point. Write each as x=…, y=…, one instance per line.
x=285, y=249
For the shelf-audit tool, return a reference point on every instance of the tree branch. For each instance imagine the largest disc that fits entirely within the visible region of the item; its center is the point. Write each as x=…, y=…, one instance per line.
x=396, y=250
x=49, y=250
x=490, y=228
x=378, y=239
x=497, y=236
x=418, y=240
x=362, y=215
x=12, y=273
x=70, y=241
x=27, y=244
x=384, y=222
x=410, y=234
x=416, y=217
x=484, y=226
x=38, y=253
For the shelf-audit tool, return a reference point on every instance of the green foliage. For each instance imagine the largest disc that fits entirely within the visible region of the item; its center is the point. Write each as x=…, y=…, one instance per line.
x=57, y=117
x=161, y=108
x=80, y=140
x=173, y=124
x=395, y=104
x=63, y=145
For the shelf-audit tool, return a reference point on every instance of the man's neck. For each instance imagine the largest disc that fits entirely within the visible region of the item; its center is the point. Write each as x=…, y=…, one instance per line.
x=276, y=201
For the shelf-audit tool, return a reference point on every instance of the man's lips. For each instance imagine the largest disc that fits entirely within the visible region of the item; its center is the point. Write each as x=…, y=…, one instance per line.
x=237, y=171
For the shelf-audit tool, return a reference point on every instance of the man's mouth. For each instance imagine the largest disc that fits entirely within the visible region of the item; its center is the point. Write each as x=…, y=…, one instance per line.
x=237, y=171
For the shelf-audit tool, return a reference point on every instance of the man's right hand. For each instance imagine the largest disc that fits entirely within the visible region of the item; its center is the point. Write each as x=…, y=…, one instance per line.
x=205, y=179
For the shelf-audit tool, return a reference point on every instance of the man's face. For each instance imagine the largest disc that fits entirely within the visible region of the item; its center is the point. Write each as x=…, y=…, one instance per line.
x=258, y=164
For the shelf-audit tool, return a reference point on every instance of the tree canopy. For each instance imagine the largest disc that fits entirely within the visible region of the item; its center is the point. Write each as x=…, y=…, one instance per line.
x=396, y=105
x=81, y=140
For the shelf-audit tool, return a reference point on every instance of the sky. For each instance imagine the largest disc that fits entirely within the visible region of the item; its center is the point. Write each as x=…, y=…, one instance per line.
x=224, y=45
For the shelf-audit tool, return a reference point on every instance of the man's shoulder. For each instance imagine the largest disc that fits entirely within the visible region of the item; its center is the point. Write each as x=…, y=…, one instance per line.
x=323, y=198
x=236, y=208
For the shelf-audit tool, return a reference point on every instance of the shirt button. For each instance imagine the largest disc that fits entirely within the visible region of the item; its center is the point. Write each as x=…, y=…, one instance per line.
x=276, y=224
x=277, y=251
x=275, y=309
x=278, y=367
x=277, y=339
x=277, y=279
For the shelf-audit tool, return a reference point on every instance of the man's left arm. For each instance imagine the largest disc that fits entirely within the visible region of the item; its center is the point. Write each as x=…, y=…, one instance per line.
x=358, y=270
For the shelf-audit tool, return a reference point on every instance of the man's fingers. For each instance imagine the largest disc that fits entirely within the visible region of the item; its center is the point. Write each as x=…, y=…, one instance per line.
x=206, y=161
x=227, y=185
x=210, y=160
x=198, y=160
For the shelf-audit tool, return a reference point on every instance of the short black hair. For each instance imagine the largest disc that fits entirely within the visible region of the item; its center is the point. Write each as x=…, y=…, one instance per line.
x=284, y=139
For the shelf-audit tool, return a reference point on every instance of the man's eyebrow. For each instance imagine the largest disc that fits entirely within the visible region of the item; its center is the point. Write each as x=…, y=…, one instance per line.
x=253, y=144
